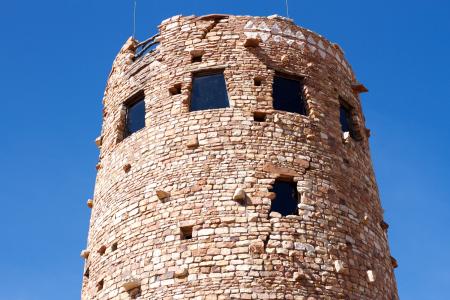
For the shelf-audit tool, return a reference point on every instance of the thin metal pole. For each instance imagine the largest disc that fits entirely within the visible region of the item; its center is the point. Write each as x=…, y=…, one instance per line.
x=134, y=19
x=287, y=8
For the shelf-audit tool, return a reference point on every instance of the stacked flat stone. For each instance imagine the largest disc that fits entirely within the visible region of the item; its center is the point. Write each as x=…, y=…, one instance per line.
x=209, y=174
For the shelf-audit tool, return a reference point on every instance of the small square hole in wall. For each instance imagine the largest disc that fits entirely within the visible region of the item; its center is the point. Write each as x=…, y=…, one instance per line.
x=100, y=285
x=114, y=247
x=175, y=90
x=86, y=273
x=186, y=232
x=257, y=81
x=259, y=116
x=102, y=250
x=197, y=58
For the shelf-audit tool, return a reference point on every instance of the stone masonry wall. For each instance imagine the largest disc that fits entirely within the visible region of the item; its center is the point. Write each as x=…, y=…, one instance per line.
x=183, y=169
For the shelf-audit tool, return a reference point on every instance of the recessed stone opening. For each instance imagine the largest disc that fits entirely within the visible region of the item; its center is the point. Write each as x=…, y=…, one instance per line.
x=102, y=250
x=259, y=116
x=175, y=90
x=100, y=285
x=114, y=246
x=86, y=273
x=127, y=168
x=186, y=232
x=286, y=197
x=257, y=81
x=197, y=58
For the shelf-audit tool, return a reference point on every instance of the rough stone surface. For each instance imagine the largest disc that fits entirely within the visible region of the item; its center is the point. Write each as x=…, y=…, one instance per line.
x=236, y=250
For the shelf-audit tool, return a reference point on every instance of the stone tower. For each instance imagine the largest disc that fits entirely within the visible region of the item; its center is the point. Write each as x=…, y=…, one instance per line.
x=235, y=164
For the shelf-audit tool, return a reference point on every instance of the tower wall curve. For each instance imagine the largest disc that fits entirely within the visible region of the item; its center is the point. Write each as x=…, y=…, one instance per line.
x=188, y=170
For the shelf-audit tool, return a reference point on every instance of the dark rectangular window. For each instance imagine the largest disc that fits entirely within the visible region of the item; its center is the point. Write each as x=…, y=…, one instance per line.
x=286, y=199
x=209, y=91
x=288, y=95
x=346, y=120
x=135, y=115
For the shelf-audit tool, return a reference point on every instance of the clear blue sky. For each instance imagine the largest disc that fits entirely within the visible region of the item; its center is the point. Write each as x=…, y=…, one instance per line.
x=55, y=59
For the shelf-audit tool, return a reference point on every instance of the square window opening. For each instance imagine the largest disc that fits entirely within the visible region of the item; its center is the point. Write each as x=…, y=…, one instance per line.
x=209, y=91
x=259, y=116
x=135, y=114
x=186, y=232
x=257, y=81
x=286, y=199
x=86, y=273
x=114, y=247
x=288, y=94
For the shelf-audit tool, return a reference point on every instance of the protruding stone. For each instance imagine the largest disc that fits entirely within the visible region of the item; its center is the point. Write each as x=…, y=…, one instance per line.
x=299, y=275
x=181, y=272
x=85, y=254
x=358, y=87
x=196, y=52
x=384, y=225
x=339, y=266
x=365, y=219
x=99, y=141
x=275, y=214
x=131, y=283
x=256, y=247
x=252, y=42
x=192, y=142
x=162, y=195
x=98, y=166
x=371, y=276
x=394, y=263
x=239, y=194
x=90, y=203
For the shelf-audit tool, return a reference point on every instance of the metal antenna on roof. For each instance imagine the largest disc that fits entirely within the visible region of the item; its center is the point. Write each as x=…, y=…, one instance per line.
x=287, y=8
x=134, y=19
